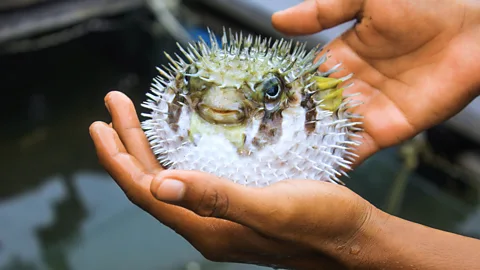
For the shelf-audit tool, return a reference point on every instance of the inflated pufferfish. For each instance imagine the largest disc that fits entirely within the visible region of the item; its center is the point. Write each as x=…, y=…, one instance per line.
x=251, y=111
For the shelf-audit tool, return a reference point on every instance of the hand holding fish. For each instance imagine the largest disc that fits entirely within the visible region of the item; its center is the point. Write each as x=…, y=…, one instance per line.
x=223, y=220
x=414, y=67
x=298, y=224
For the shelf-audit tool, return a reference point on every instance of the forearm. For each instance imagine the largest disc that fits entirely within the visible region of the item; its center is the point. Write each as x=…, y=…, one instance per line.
x=388, y=242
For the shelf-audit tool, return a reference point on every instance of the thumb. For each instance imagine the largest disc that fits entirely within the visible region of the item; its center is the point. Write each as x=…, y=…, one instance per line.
x=267, y=210
x=312, y=16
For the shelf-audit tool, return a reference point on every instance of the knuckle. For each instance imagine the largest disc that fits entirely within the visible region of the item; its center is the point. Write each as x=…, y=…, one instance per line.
x=212, y=203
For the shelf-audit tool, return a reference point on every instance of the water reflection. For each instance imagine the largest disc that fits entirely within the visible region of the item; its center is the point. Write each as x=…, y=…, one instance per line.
x=84, y=222
x=58, y=208
x=20, y=219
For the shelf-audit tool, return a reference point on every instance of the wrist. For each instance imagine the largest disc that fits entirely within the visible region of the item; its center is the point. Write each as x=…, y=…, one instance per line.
x=388, y=242
x=360, y=250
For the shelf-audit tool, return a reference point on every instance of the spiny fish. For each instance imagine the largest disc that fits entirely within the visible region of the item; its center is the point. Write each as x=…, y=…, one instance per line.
x=253, y=110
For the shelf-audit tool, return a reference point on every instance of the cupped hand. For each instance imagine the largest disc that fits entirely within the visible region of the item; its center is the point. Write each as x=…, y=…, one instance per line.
x=297, y=224
x=415, y=63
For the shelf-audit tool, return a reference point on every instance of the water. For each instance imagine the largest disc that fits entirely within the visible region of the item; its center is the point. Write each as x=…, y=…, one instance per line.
x=60, y=210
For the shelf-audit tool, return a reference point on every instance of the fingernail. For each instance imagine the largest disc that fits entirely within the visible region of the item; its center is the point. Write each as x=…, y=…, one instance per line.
x=170, y=190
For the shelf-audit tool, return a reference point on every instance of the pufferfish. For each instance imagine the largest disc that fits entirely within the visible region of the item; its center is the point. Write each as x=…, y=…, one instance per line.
x=252, y=111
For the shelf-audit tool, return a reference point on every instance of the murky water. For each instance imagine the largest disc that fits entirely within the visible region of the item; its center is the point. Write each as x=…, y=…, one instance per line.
x=60, y=210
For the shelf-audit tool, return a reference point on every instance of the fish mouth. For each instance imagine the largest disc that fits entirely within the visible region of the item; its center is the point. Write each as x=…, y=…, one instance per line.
x=220, y=115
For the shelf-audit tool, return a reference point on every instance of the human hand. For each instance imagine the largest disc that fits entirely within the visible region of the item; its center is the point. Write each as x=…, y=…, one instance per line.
x=297, y=224
x=415, y=62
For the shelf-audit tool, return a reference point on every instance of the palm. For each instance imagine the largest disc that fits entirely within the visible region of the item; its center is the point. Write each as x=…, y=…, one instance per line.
x=125, y=153
x=412, y=62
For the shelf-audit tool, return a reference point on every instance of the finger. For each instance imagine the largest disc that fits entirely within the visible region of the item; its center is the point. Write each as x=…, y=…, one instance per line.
x=135, y=181
x=382, y=122
x=209, y=196
x=130, y=176
x=113, y=156
x=257, y=208
x=341, y=53
x=314, y=16
x=222, y=242
x=390, y=125
x=126, y=123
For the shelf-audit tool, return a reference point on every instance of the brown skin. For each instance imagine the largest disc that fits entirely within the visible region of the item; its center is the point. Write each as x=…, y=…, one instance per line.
x=298, y=224
x=415, y=62
x=304, y=224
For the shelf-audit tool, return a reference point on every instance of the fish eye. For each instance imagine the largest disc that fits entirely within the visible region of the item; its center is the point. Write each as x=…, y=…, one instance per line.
x=272, y=89
x=272, y=93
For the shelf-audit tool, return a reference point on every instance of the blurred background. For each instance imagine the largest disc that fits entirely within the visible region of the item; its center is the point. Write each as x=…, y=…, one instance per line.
x=59, y=210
